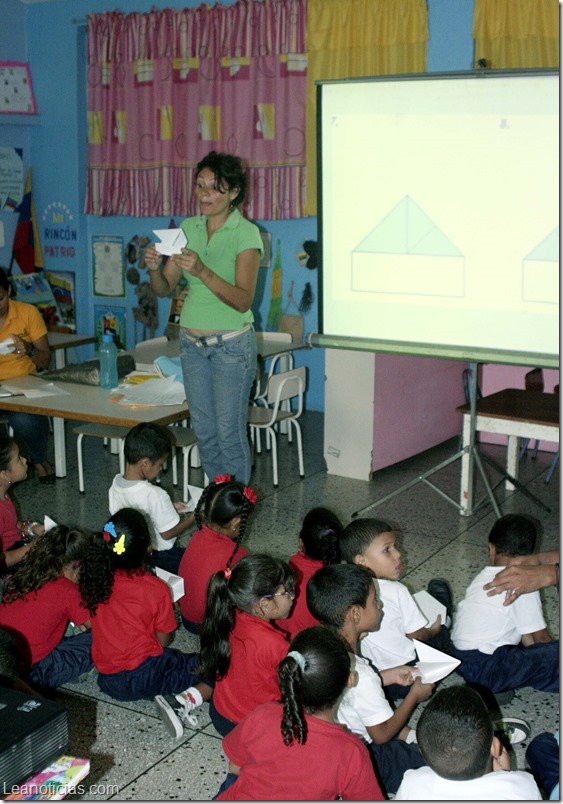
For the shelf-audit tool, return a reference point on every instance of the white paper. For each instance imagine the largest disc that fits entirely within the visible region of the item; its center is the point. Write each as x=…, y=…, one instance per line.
x=154, y=392
x=429, y=606
x=175, y=582
x=433, y=664
x=47, y=389
x=49, y=523
x=172, y=241
x=7, y=346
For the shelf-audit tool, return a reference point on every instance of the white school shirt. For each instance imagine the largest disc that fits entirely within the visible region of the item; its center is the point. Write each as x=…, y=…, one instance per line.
x=152, y=501
x=389, y=646
x=483, y=623
x=364, y=704
x=423, y=784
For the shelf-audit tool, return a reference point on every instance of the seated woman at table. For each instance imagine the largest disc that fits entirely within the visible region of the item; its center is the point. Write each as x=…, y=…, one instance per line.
x=22, y=325
x=217, y=340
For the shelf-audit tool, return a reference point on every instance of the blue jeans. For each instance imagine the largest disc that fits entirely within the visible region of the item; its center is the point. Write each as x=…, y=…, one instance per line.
x=218, y=380
x=542, y=755
x=31, y=432
x=392, y=759
x=511, y=667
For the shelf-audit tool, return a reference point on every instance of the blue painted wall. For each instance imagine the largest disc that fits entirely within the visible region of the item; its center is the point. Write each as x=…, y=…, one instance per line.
x=51, y=36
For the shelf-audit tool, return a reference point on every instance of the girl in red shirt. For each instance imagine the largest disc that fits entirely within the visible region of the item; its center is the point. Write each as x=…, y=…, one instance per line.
x=240, y=646
x=133, y=623
x=39, y=601
x=221, y=516
x=319, y=546
x=295, y=750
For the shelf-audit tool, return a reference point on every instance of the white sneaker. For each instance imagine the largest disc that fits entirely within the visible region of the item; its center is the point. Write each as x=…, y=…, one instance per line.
x=186, y=710
x=513, y=729
x=169, y=716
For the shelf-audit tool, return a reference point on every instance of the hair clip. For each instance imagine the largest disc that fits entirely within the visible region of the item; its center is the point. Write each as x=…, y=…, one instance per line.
x=227, y=573
x=222, y=479
x=298, y=658
x=119, y=546
x=109, y=531
x=250, y=494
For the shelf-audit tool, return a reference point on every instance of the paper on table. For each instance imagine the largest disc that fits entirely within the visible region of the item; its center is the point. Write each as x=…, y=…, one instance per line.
x=172, y=241
x=433, y=664
x=48, y=389
x=154, y=392
x=429, y=606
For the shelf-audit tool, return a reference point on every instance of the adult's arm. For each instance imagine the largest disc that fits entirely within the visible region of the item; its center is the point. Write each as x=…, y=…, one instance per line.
x=163, y=276
x=38, y=350
x=525, y=574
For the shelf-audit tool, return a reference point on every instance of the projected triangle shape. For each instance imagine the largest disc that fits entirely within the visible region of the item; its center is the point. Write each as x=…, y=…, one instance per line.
x=548, y=249
x=407, y=229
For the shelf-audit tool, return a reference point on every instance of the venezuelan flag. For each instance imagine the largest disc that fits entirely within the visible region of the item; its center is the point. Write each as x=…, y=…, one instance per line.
x=26, y=250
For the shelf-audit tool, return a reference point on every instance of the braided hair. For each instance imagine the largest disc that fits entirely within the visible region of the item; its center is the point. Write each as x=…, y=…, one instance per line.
x=222, y=501
x=312, y=677
x=320, y=535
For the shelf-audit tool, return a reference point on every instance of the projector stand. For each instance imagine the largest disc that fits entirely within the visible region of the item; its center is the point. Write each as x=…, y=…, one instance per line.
x=475, y=458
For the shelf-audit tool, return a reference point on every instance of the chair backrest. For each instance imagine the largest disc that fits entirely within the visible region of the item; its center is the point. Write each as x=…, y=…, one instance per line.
x=286, y=385
x=274, y=337
x=533, y=381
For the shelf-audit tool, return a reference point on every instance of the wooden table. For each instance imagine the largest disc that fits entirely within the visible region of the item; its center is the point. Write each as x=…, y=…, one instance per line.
x=60, y=341
x=84, y=403
x=517, y=414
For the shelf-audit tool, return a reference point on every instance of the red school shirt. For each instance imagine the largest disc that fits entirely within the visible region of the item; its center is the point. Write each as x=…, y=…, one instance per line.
x=38, y=620
x=207, y=552
x=9, y=533
x=124, y=629
x=331, y=762
x=300, y=617
x=252, y=678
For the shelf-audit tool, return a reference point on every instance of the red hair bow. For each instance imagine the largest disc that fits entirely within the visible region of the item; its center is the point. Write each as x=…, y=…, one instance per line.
x=223, y=479
x=250, y=494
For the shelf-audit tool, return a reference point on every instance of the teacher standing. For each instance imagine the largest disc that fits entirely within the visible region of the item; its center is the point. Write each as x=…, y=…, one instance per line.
x=217, y=339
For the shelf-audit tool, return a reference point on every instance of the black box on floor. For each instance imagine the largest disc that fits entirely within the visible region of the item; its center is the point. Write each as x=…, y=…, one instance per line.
x=33, y=733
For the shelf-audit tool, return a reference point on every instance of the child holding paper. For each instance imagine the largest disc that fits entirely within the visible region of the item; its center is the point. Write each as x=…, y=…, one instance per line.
x=371, y=543
x=343, y=596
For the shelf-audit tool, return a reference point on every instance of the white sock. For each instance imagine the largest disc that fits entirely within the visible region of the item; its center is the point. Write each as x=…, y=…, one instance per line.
x=193, y=695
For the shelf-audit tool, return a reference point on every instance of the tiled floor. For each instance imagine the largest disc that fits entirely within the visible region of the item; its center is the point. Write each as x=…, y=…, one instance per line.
x=132, y=757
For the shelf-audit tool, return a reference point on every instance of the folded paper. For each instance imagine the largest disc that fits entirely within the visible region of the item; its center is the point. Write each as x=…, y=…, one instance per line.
x=433, y=664
x=429, y=606
x=172, y=241
x=175, y=583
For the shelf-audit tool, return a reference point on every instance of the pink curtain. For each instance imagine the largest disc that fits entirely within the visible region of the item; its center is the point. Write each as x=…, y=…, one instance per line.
x=166, y=87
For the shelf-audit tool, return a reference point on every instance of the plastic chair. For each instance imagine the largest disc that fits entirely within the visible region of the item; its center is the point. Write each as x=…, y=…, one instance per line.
x=105, y=431
x=533, y=381
x=555, y=460
x=283, y=361
x=286, y=385
x=187, y=442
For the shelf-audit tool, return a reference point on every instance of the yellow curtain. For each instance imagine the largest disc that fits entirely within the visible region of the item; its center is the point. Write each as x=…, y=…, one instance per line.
x=353, y=38
x=514, y=34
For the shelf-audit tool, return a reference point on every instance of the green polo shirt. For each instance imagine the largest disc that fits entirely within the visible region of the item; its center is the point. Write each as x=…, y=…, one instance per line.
x=202, y=309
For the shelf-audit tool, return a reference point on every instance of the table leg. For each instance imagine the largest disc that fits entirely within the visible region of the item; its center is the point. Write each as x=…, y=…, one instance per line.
x=60, y=358
x=512, y=462
x=466, y=497
x=60, y=449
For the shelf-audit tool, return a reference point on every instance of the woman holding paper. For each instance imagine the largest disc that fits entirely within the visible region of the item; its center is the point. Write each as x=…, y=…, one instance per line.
x=24, y=348
x=217, y=342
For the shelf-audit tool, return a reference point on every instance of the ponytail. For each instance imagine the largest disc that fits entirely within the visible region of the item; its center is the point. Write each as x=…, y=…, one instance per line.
x=222, y=501
x=320, y=534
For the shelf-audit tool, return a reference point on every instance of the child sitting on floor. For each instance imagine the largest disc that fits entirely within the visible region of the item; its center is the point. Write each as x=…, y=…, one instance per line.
x=502, y=647
x=147, y=447
x=240, y=647
x=372, y=544
x=294, y=750
x=465, y=760
x=343, y=597
x=40, y=599
x=221, y=515
x=133, y=624
x=319, y=546
x=14, y=535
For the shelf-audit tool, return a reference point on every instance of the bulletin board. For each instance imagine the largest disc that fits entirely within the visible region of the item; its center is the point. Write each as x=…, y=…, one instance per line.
x=16, y=92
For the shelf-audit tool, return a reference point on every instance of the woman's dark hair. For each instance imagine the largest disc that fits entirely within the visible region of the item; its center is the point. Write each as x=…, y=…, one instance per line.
x=45, y=561
x=229, y=174
x=332, y=591
x=147, y=440
x=124, y=545
x=320, y=534
x=5, y=282
x=7, y=445
x=312, y=677
x=220, y=503
x=253, y=577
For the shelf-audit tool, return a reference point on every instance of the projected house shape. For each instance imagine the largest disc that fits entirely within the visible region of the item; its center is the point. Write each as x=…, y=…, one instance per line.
x=540, y=271
x=407, y=253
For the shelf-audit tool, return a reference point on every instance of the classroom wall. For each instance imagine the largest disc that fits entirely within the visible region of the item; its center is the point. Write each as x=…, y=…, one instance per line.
x=51, y=36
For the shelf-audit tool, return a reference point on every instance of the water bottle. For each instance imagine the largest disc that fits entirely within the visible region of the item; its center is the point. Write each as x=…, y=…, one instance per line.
x=108, y=362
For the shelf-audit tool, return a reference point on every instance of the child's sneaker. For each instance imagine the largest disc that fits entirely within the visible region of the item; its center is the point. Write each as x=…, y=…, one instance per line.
x=174, y=714
x=513, y=729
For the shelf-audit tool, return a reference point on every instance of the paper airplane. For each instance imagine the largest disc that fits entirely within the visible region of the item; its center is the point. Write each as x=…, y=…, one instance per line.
x=172, y=241
x=429, y=606
x=433, y=664
x=49, y=523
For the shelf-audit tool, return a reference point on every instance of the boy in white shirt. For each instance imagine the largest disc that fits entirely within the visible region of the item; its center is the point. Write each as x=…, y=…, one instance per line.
x=343, y=597
x=465, y=761
x=147, y=447
x=371, y=543
x=505, y=647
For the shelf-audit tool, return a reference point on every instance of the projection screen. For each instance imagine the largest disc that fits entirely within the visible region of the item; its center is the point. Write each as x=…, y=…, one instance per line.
x=439, y=215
